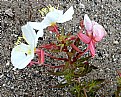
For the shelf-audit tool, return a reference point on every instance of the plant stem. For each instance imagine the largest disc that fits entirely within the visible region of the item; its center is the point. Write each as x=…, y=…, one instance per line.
x=56, y=30
x=85, y=94
x=65, y=59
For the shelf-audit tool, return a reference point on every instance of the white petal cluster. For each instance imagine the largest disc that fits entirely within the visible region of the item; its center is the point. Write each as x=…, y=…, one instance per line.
x=53, y=17
x=22, y=54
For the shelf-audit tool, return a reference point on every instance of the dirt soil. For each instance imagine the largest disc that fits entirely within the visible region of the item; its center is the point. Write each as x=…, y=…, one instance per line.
x=34, y=82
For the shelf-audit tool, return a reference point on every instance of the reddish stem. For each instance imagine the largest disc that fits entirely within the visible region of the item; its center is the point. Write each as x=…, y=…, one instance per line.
x=75, y=48
x=72, y=38
x=56, y=30
x=37, y=51
x=42, y=56
x=82, y=53
x=65, y=59
x=49, y=46
x=78, y=55
x=60, y=66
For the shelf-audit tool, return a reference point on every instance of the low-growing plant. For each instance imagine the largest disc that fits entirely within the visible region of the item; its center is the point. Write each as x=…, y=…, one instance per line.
x=74, y=46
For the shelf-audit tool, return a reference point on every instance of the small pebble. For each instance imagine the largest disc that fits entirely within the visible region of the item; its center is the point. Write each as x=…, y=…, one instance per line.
x=101, y=70
x=9, y=12
x=4, y=85
x=8, y=63
x=115, y=42
x=1, y=76
x=82, y=5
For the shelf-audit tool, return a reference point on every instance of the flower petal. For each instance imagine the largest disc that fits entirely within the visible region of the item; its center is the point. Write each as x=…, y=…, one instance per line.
x=66, y=16
x=84, y=38
x=98, y=32
x=40, y=33
x=30, y=35
x=52, y=17
x=92, y=48
x=19, y=57
x=37, y=25
x=87, y=23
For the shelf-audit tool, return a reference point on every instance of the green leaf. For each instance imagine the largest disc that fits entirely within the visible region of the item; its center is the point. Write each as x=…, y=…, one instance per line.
x=61, y=46
x=79, y=62
x=68, y=43
x=91, y=68
x=84, y=59
x=118, y=91
x=94, y=85
x=60, y=85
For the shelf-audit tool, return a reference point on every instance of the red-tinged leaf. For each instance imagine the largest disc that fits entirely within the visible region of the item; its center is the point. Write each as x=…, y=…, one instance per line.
x=81, y=54
x=47, y=54
x=42, y=56
x=71, y=37
x=92, y=48
x=54, y=28
x=84, y=38
x=32, y=63
x=75, y=47
x=49, y=46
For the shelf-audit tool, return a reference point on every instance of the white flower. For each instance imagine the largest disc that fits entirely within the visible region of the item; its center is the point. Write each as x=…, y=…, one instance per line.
x=22, y=54
x=53, y=17
x=37, y=26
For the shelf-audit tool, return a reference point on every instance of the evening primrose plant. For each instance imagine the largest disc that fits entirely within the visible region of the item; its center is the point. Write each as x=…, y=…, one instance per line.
x=75, y=60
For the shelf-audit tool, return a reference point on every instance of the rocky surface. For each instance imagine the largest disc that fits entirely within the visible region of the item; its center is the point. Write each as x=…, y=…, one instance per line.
x=34, y=82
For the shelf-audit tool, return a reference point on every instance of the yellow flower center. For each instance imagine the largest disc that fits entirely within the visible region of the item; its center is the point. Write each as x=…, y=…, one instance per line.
x=29, y=52
x=53, y=24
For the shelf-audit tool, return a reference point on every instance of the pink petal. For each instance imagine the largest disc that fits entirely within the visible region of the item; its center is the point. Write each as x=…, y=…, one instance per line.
x=98, y=32
x=42, y=56
x=88, y=24
x=94, y=23
x=92, y=48
x=84, y=38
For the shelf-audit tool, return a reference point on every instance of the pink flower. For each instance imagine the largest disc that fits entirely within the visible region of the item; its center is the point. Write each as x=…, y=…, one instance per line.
x=94, y=33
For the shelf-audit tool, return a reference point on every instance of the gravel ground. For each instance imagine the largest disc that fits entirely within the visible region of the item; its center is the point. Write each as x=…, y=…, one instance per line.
x=34, y=82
